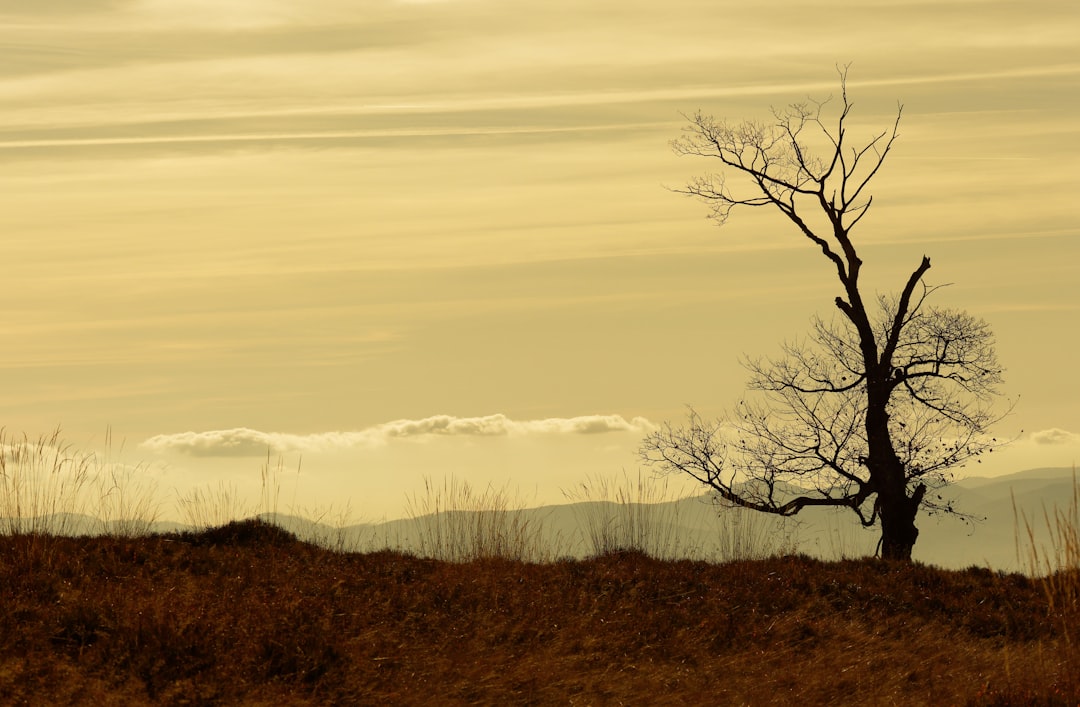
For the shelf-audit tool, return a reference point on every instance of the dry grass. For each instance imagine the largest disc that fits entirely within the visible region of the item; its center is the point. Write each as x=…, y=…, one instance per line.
x=42, y=483
x=628, y=515
x=209, y=506
x=1057, y=565
x=127, y=503
x=457, y=523
x=47, y=488
x=248, y=614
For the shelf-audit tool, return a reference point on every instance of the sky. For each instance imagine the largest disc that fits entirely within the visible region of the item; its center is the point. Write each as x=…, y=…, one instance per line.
x=388, y=241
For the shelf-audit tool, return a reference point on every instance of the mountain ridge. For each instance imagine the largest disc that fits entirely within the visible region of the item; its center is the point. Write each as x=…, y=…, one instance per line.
x=694, y=526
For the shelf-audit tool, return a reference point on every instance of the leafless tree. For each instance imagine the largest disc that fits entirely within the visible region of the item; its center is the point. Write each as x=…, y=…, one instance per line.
x=874, y=408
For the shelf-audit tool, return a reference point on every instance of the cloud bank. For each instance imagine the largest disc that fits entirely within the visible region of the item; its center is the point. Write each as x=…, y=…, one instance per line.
x=245, y=442
x=1054, y=435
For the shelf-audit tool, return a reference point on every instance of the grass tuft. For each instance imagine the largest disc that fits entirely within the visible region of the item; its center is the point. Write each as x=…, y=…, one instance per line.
x=628, y=515
x=41, y=484
x=1056, y=563
x=457, y=523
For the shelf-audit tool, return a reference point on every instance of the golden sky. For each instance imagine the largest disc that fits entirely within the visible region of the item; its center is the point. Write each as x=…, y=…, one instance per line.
x=431, y=238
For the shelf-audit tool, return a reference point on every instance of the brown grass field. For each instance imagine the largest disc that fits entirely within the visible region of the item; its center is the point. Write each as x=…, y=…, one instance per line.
x=247, y=614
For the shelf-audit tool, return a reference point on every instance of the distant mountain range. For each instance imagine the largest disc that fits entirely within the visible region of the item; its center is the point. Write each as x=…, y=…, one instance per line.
x=1004, y=501
x=697, y=528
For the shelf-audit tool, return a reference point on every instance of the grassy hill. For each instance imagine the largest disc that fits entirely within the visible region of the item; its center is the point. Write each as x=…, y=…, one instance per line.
x=246, y=613
x=598, y=601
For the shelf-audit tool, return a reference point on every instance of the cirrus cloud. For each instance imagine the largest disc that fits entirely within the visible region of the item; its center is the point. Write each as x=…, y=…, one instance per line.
x=246, y=442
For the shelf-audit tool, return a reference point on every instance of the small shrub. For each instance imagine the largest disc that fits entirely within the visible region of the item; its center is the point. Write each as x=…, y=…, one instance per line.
x=253, y=532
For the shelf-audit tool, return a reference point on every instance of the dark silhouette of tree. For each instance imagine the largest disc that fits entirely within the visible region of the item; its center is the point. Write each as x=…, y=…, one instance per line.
x=872, y=410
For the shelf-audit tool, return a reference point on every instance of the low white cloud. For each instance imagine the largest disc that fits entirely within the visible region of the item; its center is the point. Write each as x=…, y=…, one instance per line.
x=245, y=442
x=237, y=442
x=1054, y=435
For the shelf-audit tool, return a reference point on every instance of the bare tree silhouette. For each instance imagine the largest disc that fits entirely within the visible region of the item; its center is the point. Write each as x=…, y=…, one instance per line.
x=879, y=403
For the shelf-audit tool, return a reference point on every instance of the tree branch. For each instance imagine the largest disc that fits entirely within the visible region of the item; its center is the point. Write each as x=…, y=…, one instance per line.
x=901, y=313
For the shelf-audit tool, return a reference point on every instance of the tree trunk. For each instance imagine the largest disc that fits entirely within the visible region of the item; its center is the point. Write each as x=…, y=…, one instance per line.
x=898, y=534
x=898, y=531
x=896, y=510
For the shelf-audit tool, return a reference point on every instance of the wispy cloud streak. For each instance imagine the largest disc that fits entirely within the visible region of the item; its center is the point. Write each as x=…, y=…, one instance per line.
x=310, y=136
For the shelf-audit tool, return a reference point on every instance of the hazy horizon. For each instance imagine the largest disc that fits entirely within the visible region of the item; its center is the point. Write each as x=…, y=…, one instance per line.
x=392, y=240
